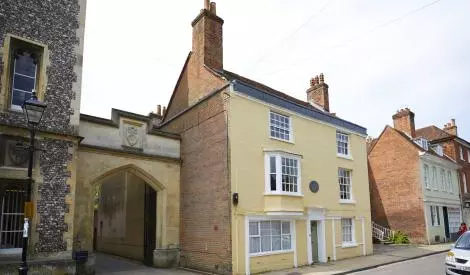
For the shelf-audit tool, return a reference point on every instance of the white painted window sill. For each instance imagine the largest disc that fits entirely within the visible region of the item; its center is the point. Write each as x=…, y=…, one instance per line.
x=283, y=140
x=348, y=245
x=284, y=194
x=348, y=157
x=347, y=201
x=271, y=253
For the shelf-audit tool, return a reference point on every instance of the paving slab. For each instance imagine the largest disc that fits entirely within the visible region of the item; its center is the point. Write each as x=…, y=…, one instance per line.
x=383, y=255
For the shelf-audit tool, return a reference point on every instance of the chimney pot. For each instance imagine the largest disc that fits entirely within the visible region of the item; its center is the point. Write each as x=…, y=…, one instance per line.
x=404, y=120
x=159, y=109
x=207, y=4
x=164, y=110
x=213, y=8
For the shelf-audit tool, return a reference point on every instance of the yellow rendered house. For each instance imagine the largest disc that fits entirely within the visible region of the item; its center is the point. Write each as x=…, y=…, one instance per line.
x=268, y=181
x=301, y=179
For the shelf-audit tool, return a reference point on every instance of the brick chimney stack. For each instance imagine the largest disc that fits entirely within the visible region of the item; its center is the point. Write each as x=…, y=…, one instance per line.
x=318, y=92
x=404, y=120
x=451, y=127
x=207, y=37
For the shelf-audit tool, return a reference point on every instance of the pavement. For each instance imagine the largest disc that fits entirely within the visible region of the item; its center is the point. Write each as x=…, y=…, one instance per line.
x=385, y=259
x=430, y=265
x=383, y=255
x=108, y=264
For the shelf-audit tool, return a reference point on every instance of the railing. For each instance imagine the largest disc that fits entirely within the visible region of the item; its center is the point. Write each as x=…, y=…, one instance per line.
x=381, y=233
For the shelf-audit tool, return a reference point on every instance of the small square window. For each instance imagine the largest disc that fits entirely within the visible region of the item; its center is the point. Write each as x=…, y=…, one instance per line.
x=280, y=126
x=342, y=144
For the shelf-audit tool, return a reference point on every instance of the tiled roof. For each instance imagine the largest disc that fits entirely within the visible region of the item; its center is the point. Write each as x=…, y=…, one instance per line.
x=432, y=133
x=233, y=76
x=275, y=97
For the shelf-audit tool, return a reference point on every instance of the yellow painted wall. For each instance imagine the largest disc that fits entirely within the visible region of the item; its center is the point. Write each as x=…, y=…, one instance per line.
x=272, y=262
x=316, y=143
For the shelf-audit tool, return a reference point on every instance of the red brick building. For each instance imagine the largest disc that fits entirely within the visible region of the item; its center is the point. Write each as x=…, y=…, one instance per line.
x=457, y=149
x=413, y=184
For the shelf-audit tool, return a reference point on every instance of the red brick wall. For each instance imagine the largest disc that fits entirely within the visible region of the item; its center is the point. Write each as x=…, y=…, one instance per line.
x=451, y=149
x=395, y=188
x=205, y=187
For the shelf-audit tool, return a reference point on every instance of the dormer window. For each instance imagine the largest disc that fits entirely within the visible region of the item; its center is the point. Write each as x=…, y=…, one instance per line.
x=439, y=150
x=422, y=142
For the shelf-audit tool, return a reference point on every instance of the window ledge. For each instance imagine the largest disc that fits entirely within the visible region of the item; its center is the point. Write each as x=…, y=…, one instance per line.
x=260, y=254
x=348, y=245
x=347, y=201
x=283, y=140
x=348, y=157
x=15, y=110
x=285, y=194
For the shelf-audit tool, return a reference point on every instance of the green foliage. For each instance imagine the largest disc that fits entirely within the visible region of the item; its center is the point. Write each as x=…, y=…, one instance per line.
x=399, y=238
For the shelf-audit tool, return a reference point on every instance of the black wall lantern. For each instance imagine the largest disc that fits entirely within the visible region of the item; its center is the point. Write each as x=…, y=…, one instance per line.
x=235, y=198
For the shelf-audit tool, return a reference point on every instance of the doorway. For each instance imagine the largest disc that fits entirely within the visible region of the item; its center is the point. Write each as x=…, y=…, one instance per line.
x=446, y=222
x=150, y=224
x=314, y=240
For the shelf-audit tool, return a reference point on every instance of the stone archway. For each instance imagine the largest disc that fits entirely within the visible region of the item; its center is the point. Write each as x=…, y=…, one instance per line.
x=162, y=175
x=125, y=216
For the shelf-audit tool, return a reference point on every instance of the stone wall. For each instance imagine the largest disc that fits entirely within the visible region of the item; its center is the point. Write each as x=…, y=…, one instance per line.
x=59, y=27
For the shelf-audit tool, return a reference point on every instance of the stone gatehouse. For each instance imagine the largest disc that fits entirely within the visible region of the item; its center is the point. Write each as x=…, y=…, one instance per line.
x=110, y=185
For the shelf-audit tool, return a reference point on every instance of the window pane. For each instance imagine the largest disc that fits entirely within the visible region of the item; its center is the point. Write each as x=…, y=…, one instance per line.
x=272, y=164
x=285, y=227
x=23, y=83
x=275, y=228
x=254, y=230
x=24, y=64
x=273, y=182
x=276, y=240
x=19, y=97
x=254, y=244
x=265, y=228
x=265, y=243
x=286, y=242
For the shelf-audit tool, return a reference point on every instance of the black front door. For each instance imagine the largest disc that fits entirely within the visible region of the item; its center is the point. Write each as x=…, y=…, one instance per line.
x=150, y=224
x=446, y=222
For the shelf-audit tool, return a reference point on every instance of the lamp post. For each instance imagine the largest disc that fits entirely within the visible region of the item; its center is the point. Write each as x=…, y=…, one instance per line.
x=33, y=110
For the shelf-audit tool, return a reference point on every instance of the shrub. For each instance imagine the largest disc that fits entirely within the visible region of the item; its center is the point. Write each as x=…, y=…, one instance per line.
x=399, y=238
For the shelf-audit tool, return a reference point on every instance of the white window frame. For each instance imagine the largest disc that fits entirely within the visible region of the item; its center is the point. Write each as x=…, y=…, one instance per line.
x=461, y=152
x=291, y=235
x=435, y=184
x=426, y=177
x=435, y=215
x=352, y=242
x=290, y=132
x=443, y=180
x=464, y=182
x=19, y=107
x=351, y=197
x=278, y=156
x=449, y=181
x=340, y=135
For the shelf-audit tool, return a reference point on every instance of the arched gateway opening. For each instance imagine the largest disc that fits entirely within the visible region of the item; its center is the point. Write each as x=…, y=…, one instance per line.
x=125, y=216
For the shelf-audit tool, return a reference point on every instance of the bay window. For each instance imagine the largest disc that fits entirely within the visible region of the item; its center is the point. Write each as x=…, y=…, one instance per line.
x=282, y=173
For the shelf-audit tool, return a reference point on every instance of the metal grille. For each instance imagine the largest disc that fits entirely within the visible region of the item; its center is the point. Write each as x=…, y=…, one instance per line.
x=12, y=218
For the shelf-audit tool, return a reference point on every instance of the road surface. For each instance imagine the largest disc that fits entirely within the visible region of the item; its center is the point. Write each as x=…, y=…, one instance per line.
x=431, y=265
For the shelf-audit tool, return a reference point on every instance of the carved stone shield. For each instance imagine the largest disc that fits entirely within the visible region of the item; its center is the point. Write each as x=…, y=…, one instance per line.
x=132, y=135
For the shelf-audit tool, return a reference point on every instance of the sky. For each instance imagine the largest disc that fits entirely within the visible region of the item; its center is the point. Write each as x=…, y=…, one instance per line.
x=377, y=56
